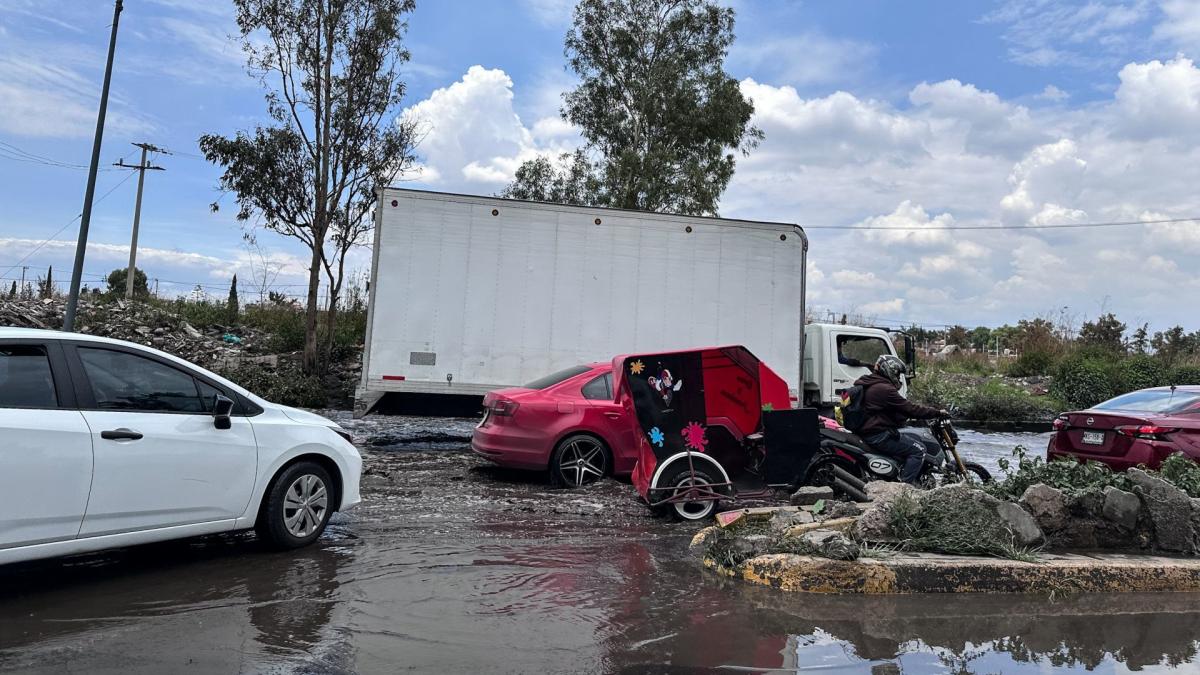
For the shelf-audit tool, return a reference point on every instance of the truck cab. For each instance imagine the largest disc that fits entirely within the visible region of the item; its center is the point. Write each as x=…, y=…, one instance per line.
x=835, y=355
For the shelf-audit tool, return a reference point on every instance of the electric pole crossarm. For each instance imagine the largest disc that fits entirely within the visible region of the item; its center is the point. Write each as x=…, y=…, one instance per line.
x=141, y=167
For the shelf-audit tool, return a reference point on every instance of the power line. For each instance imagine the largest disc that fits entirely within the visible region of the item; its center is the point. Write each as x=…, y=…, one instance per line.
x=1053, y=226
x=16, y=154
x=70, y=222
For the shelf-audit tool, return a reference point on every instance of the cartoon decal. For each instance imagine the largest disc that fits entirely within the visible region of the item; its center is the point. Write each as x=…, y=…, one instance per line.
x=693, y=436
x=657, y=436
x=665, y=385
x=637, y=367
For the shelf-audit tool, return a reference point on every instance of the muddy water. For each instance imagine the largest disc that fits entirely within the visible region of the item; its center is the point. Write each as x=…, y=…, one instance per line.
x=453, y=567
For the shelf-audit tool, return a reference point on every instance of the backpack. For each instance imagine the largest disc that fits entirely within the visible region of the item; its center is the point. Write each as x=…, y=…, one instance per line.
x=853, y=410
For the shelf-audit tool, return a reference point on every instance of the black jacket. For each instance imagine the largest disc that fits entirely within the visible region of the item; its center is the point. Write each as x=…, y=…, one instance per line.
x=886, y=409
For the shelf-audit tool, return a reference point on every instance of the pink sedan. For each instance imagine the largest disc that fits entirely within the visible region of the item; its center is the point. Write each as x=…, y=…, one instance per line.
x=566, y=422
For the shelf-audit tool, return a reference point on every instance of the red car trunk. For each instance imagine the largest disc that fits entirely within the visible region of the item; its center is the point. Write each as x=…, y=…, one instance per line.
x=1120, y=435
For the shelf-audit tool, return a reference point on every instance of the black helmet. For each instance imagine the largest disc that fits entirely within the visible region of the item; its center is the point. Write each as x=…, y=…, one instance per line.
x=890, y=367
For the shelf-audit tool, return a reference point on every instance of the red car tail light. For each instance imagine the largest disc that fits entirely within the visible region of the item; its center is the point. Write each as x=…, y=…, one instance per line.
x=1150, y=432
x=503, y=407
x=1060, y=422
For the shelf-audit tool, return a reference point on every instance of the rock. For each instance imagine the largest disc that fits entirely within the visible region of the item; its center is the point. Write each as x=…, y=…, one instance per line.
x=886, y=490
x=1123, y=507
x=811, y=494
x=705, y=538
x=749, y=546
x=784, y=520
x=1025, y=529
x=836, y=509
x=831, y=544
x=757, y=514
x=1048, y=506
x=844, y=525
x=1170, y=511
x=874, y=523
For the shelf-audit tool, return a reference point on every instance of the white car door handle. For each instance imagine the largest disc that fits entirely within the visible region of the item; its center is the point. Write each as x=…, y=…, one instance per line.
x=121, y=434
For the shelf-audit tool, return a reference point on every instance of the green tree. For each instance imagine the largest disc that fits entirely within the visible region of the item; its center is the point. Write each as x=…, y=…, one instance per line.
x=231, y=305
x=1141, y=340
x=1171, y=344
x=1106, y=332
x=981, y=337
x=570, y=180
x=47, y=290
x=332, y=69
x=661, y=118
x=116, y=282
x=1036, y=335
x=957, y=335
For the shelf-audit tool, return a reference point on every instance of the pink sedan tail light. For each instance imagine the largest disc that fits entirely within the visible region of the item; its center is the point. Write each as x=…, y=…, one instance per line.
x=503, y=407
x=1060, y=422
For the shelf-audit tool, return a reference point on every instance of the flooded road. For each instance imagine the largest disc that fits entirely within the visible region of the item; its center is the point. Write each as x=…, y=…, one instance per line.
x=453, y=567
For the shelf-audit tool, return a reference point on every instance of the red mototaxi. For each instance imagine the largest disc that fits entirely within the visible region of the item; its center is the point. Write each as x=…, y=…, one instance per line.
x=701, y=414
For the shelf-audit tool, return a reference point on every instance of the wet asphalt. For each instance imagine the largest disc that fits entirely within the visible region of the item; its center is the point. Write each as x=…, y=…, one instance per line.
x=454, y=566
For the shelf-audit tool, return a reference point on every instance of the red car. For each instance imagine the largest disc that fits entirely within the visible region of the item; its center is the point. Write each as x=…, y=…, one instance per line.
x=567, y=422
x=1141, y=427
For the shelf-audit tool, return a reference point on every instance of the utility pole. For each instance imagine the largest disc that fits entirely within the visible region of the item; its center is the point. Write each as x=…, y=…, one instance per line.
x=86, y=217
x=137, y=209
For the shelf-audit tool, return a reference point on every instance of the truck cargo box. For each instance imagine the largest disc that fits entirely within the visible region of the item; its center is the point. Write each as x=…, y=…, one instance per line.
x=469, y=294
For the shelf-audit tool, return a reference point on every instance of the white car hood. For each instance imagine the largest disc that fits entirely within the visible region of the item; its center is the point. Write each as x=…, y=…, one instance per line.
x=305, y=417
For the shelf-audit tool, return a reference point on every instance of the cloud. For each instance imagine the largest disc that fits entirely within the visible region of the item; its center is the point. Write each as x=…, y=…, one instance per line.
x=550, y=12
x=809, y=58
x=1048, y=176
x=1053, y=94
x=474, y=140
x=41, y=98
x=1093, y=34
x=1180, y=24
x=1159, y=98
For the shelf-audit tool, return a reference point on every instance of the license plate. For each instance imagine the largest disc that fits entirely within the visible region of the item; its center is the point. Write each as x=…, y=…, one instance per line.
x=486, y=412
x=1093, y=437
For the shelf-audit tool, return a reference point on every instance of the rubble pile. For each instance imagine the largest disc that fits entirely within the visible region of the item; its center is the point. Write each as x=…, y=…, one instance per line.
x=210, y=346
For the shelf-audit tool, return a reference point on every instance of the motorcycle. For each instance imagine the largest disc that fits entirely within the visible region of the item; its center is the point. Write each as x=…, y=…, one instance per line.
x=846, y=463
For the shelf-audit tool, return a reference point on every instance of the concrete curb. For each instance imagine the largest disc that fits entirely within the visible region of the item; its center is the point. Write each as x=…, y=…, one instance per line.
x=932, y=573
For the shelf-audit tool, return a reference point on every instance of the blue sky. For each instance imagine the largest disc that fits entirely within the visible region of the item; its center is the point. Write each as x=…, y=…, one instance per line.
x=923, y=115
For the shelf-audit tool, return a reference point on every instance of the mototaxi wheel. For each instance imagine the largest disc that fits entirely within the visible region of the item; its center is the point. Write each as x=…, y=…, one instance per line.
x=678, y=481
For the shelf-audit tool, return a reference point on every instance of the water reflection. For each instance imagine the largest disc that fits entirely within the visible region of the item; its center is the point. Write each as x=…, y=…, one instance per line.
x=219, y=603
x=452, y=569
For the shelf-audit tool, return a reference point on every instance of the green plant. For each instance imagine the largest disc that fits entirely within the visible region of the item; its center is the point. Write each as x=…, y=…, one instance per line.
x=1083, y=380
x=942, y=521
x=285, y=384
x=1036, y=362
x=1184, y=375
x=1139, y=372
x=1068, y=475
x=1182, y=472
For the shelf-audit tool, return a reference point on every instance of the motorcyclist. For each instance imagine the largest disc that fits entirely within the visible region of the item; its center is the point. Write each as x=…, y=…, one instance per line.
x=887, y=411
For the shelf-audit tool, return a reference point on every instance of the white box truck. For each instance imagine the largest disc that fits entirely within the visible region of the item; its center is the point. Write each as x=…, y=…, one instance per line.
x=469, y=294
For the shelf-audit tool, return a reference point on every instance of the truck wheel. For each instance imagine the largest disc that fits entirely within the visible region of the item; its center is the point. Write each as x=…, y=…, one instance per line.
x=678, y=483
x=578, y=460
x=297, y=506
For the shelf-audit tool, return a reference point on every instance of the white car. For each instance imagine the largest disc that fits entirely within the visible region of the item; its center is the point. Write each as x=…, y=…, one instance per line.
x=105, y=443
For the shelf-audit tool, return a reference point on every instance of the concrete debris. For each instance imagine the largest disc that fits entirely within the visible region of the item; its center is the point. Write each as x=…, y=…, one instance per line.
x=142, y=323
x=811, y=494
x=831, y=544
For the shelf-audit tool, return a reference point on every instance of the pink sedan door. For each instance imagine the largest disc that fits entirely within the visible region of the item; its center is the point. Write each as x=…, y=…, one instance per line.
x=611, y=422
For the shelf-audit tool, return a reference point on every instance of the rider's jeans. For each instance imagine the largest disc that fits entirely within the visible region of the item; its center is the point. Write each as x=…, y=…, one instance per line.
x=909, y=450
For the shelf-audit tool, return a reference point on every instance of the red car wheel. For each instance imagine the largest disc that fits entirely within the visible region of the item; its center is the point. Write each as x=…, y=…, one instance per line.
x=579, y=460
